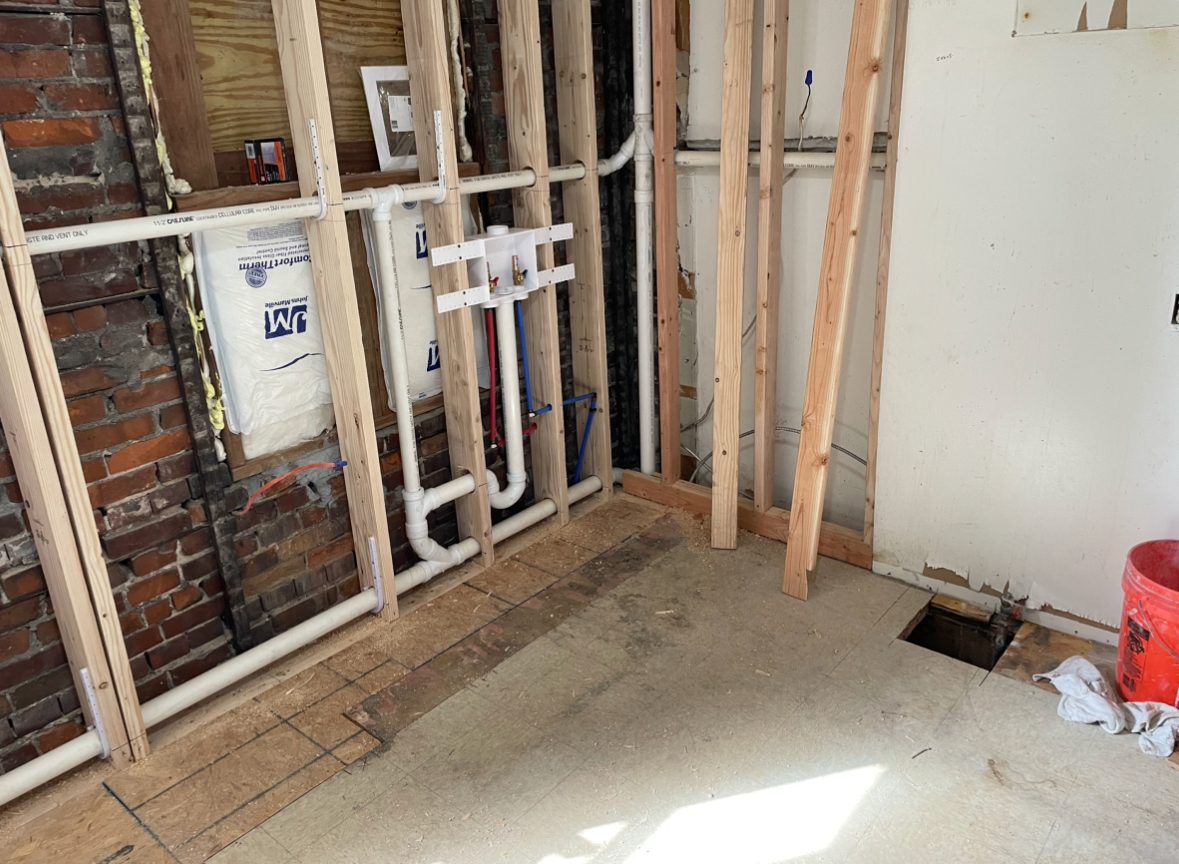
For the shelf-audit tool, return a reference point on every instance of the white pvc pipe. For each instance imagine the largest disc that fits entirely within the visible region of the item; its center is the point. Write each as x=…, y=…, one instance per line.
x=625, y=153
x=644, y=231
x=509, y=366
x=36, y=772
x=190, y=693
x=791, y=159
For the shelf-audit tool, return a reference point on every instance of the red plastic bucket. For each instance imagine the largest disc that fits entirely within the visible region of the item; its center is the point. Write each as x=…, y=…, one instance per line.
x=1148, y=651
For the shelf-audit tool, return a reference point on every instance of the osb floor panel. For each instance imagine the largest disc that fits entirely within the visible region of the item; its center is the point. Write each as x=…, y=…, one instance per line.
x=641, y=698
x=192, y=798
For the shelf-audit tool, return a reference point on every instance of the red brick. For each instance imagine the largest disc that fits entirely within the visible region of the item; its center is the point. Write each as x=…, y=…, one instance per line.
x=151, y=587
x=130, y=622
x=151, y=450
x=156, y=372
x=59, y=132
x=89, y=380
x=55, y=736
x=147, y=395
x=126, y=544
x=114, y=434
x=18, y=614
x=37, y=63
x=48, y=632
x=23, y=583
x=94, y=63
x=6, y=468
x=88, y=410
x=200, y=567
x=172, y=416
x=13, y=644
x=244, y=547
x=169, y=652
x=34, y=30
x=169, y=496
x=156, y=612
x=196, y=512
x=336, y=549
x=91, y=318
x=149, y=688
x=192, y=616
x=118, y=488
x=196, y=542
x=81, y=97
x=28, y=668
x=12, y=493
x=174, y=469
x=156, y=559
x=186, y=596
x=93, y=470
x=60, y=324
x=143, y=640
x=81, y=195
x=126, y=312
x=157, y=333
x=18, y=98
x=89, y=29
x=12, y=524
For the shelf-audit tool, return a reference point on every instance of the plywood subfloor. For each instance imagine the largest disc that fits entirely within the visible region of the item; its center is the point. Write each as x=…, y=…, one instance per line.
x=648, y=699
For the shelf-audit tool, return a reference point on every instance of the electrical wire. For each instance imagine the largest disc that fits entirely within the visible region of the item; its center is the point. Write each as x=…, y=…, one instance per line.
x=700, y=463
x=810, y=78
x=339, y=465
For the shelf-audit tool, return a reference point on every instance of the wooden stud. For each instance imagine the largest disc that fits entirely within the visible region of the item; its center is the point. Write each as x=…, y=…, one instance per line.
x=667, y=265
x=519, y=23
x=426, y=48
x=730, y=270
x=769, y=242
x=176, y=77
x=841, y=246
x=896, y=85
x=835, y=541
x=60, y=514
x=301, y=55
x=578, y=130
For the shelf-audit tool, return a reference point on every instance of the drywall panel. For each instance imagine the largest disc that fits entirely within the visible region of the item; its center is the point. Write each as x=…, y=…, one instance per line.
x=1029, y=430
x=804, y=213
x=1037, y=17
x=818, y=38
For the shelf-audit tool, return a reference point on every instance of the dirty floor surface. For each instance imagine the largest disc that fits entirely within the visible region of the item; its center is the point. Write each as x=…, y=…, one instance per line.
x=646, y=699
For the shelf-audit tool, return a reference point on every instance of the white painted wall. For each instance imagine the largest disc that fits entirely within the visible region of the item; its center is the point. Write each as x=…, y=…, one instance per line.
x=1029, y=428
x=818, y=40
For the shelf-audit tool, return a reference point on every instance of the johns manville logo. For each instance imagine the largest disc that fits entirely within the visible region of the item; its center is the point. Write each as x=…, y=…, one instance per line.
x=286, y=320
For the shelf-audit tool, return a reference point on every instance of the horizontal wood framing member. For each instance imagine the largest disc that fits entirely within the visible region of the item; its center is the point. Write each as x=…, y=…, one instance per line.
x=835, y=541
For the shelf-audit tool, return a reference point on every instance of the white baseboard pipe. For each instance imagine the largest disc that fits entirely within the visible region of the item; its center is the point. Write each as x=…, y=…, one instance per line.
x=36, y=772
x=791, y=159
x=509, y=367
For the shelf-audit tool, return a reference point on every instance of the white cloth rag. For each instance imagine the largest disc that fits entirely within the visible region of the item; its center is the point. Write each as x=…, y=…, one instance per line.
x=1086, y=697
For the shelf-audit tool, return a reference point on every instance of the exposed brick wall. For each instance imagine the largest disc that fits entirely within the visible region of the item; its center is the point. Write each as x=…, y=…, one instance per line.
x=66, y=142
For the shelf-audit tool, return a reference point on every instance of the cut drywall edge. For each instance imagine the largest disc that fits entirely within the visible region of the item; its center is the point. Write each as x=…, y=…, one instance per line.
x=989, y=598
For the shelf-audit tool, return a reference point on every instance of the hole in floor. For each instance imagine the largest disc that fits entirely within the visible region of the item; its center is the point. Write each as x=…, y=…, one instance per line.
x=967, y=633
